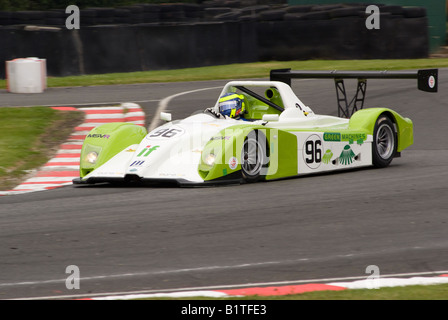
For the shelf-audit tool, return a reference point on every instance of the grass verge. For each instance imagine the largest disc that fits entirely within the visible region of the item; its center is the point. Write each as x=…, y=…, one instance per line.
x=29, y=137
x=239, y=71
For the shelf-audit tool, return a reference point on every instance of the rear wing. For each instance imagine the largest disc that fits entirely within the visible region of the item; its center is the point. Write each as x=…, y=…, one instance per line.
x=427, y=80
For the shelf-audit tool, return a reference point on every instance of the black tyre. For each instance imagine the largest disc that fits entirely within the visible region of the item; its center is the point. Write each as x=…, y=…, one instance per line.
x=384, y=146
x=254, y=157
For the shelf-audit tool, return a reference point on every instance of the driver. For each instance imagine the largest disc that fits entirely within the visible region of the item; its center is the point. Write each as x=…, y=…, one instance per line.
x=232, y=105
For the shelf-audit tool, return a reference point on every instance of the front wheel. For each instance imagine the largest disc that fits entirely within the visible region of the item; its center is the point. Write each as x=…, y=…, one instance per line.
x=254, y=156
x=384, y=146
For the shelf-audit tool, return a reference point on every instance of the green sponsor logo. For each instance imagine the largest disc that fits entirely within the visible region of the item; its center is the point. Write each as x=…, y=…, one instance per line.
x=349, y=137
x=327, y=156
x=146, y=151
x=329, y=136
x=347, y=155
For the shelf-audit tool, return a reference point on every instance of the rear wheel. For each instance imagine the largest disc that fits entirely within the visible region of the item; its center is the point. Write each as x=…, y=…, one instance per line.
x=384, y=144
x=254, y=156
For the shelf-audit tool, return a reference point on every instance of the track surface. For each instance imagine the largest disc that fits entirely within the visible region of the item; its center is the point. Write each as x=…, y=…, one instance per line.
x=317, y=227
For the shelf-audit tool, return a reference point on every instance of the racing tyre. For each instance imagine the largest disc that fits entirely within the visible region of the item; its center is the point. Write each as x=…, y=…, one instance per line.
x=384, y=146
x=254, y=157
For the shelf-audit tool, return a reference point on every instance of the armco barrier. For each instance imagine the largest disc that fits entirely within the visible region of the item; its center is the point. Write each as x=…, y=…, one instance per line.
x=214, y=33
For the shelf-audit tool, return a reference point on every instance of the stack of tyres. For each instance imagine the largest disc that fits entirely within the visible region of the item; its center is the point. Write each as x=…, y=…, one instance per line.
x=172, y=12
x=136, y=14
x=193, y=12
x=104, y=15
x=55, y=18
x=122, y=16
x=28, y=18
x=151, y=13
x=5, y=18
x=88, y=17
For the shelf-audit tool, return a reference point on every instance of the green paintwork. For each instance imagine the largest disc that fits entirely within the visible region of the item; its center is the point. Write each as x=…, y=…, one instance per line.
x=107, y=140
x=283, y=154
x=365, y=119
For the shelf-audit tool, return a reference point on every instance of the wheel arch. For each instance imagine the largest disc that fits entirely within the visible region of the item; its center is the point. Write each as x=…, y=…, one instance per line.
x=365, y=119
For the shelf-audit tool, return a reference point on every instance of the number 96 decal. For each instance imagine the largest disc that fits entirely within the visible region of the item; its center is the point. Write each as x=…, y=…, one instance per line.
x=312, y=151
x=166, y=133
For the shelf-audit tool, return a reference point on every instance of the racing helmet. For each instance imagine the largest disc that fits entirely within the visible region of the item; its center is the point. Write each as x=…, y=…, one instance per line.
x=231, y=105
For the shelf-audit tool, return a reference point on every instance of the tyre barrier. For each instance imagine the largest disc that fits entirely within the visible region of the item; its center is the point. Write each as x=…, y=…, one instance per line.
x=175, y=35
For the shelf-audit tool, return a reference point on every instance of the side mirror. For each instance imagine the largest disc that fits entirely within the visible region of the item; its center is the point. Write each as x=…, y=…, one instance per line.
x=165, y=116
x=270, y=117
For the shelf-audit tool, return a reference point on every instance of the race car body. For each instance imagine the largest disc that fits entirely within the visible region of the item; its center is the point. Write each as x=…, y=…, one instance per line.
x=278, y=137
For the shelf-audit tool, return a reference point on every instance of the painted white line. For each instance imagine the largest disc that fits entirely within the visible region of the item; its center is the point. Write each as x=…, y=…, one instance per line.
x=61, y=166
x=52, y=179
x=163, y=104
x=184, y=294
x=105, y=116
x=64, y=160
x=118, y=108
x=75, y=152
x=390, y=282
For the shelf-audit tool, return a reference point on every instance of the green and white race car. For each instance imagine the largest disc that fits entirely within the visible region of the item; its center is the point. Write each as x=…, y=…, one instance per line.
x=278, y=136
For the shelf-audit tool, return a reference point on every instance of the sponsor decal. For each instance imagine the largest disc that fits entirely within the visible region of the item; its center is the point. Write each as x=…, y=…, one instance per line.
x=351, y=137
x=346, y=137
x=431, y=82
x=312, y=151
x=329, y=136
x=347, y=157
x=166, y=133
x=146, y=151
x=220, y=138
x=327, y=156
x=137, y=163
x=97, y=135
x=233, y=163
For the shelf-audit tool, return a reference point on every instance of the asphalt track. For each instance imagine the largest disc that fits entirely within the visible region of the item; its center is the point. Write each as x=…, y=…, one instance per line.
x=328, y=226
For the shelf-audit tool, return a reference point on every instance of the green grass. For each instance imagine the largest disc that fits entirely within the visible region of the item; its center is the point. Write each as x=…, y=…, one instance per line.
x=239, y=71
x=28, y=136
